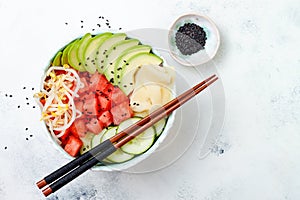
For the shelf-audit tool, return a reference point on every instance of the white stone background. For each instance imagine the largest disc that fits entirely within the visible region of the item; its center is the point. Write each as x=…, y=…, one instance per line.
x=258, y=62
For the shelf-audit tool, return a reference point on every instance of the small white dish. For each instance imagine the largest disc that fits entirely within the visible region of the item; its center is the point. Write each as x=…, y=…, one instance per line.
x=210, y=48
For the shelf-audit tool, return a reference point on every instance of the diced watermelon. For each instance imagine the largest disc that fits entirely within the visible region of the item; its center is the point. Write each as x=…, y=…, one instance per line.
x=91, y=105
x=105, y=118
x=65, y=137
x=108, y=90
x=85, y=87
x=105, y=103
x=98, y=82
x=79, y=105
x=73, y=145
x=121, y=112
x=94, y=125
x=118, y=96
x=78, y=128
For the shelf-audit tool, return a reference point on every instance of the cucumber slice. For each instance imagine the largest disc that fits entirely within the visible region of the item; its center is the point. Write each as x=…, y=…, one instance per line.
x=97, y=138
x=160, y=126
x=87, y=145
x=118, y=156
x=142, y=142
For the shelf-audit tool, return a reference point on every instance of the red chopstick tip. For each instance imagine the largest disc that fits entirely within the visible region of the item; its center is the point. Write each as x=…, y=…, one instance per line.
x=47, y=191
x=41, y=184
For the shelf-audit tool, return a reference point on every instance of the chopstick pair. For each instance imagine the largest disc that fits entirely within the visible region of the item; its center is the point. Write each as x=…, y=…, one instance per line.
x=76, y=167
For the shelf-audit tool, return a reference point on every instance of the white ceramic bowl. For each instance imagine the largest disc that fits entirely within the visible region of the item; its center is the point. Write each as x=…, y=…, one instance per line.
x=135, y=160
x=210, y=48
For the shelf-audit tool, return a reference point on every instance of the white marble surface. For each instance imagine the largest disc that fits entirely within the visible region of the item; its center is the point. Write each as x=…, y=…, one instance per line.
x=258, y=62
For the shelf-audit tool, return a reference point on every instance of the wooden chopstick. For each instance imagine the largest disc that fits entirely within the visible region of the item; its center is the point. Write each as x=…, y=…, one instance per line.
x=92, y=157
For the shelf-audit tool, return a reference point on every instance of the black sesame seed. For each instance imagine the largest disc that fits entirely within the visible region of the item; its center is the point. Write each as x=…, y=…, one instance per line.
x=106, y=56
x=27, y=103
x=81, y=21
x=118, y=76
x=98, y=25
x=10, y=95
x=110, y=63
x=30, y=135
x=97, y=52
x=127, y=63
x=5, y=147
x=24, y=88
x=130, y=83
x=87, y=58
x=66, y=23
x=114, y=48
x=124, y=61
x=26, y=129
x=33, y=106
x=81, y=27
x=112, y=72
x=26, y=138
x=120, y=68
x=134, y=103
x=19, y=106
x=26, y=98
x=79, y=63
x=120, y=28
x=125, y=86
x=93, y=29
x=6, y=95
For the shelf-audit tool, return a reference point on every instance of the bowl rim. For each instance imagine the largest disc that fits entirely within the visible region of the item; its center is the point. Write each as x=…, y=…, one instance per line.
x=172, y=29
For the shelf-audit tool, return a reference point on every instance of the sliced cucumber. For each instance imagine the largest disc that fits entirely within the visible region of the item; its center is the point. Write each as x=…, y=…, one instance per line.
x=97, y=138
x=87, y=145
x=118, y=156
x=142, y=142
x=160, y=126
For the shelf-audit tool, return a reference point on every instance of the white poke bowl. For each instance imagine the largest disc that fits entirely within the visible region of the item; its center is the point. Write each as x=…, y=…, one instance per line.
x=138, y=158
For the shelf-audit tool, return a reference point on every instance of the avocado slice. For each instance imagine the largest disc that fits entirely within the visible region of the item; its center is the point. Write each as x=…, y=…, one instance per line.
x=81, y=46
x=114, y=52
x=124, y=57
x=56, y=60
x=130, y=67
x=64, y=57
x=90, y=51
x=101, y=53
x=72, y=56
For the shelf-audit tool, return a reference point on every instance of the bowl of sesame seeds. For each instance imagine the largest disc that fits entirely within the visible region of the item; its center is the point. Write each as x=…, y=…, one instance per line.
x=193, y=39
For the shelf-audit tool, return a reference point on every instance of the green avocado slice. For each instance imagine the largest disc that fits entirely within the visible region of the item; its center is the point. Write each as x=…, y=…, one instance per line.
x=56, y=60
x=72, y=56
x=124, y=57
x=90, y=51
x=114, y=52
x=101, y=53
